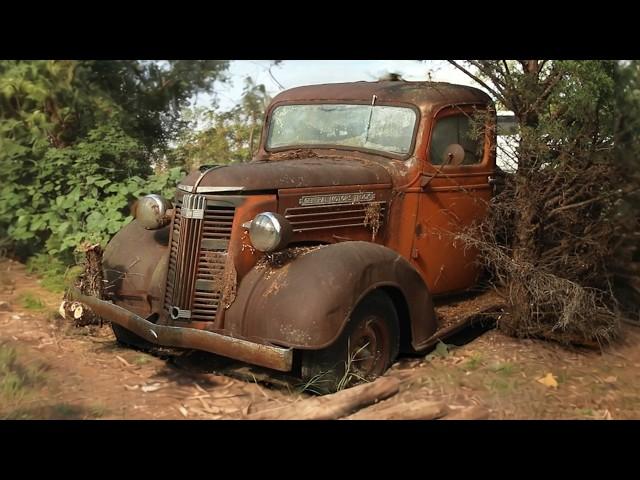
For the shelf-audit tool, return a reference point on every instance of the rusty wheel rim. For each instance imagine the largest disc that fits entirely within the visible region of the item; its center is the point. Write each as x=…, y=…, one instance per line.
x=369, y=348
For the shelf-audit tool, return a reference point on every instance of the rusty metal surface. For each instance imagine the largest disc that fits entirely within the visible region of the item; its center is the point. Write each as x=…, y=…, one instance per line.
x=307, y=302
x=233, y=347
x=304, y=172
x=153, y=211
x=330, y=217
x=424, y=95
x=382, y=222
x=211, y=265
x=199, y=249
x=135, y=260
x=332, y=222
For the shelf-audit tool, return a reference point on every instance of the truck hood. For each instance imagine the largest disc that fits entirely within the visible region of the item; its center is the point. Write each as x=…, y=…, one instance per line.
x=298, y=173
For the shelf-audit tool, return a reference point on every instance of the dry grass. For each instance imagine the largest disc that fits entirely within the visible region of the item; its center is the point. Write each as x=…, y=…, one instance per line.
x=351, y=374
x=17, y=380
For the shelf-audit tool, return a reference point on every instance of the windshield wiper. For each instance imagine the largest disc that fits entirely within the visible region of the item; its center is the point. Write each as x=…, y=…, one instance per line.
x=373, y=102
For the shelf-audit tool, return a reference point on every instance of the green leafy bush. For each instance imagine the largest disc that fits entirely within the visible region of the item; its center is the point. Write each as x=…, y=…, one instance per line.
x=78, y=195
x=81, y=140
x=56, y=276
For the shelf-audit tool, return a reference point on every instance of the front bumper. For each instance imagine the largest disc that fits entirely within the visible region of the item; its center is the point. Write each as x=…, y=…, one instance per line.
x=264, y=355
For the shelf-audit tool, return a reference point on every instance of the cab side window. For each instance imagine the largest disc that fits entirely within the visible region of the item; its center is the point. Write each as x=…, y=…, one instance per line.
x=458, y=129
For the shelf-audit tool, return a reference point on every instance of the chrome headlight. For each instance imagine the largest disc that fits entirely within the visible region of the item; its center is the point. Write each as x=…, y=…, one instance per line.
x=269, y=231
x=152, y=211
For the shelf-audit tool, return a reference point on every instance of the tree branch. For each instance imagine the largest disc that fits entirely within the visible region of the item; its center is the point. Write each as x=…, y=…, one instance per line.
x=487, y=70
x=551, y=82
x=274, y=78
x=591, y=200
x=481, y=82
x=506, y=67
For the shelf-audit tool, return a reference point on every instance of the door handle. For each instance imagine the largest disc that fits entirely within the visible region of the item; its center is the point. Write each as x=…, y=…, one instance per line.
x=496, y=184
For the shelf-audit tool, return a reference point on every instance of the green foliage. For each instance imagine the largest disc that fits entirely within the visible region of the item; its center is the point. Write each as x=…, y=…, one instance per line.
x=78, y=196
x=152, y=95
x=142, y=360
x=31, y=302
x=442, y=350
x=55, y=275
x=223, y=137
x=503, y=368
x=627, y=121
x=474, y=362
x=77, y=143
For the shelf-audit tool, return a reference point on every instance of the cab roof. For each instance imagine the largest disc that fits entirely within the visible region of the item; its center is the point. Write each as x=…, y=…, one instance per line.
x=424, y=95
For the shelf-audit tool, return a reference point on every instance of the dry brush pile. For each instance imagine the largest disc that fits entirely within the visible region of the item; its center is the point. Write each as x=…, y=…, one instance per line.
x=561, y=238
x=571, y=281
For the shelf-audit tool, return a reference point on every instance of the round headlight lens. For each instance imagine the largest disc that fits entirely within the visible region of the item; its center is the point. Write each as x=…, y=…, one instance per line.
x=151, y=211
x=269, y=232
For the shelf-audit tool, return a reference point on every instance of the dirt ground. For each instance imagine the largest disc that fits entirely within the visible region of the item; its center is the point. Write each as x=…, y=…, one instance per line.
x=50, y=369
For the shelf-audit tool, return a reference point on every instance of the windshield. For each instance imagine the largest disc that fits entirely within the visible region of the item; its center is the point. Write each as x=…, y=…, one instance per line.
x=380, y=127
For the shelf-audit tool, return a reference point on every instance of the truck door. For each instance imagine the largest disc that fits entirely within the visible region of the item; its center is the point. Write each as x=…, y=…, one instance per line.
x=455, y=191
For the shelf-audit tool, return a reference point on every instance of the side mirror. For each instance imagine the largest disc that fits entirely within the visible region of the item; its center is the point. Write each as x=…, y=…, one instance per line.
x=453, y=155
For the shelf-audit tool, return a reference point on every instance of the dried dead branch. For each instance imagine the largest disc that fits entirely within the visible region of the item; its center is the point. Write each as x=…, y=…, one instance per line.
x=335, y=405
x=470, y=413
x=563, y=284
x=414, y=410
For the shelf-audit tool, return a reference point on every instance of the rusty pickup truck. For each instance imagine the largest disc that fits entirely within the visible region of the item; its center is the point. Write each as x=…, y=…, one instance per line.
x=323, y=255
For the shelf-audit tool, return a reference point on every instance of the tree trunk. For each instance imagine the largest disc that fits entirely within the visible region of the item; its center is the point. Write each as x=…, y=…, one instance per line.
x=527, y=241
x=89, y=283
x=334, y=406
x=471, y=413
x=251, y=134
x=416, y=410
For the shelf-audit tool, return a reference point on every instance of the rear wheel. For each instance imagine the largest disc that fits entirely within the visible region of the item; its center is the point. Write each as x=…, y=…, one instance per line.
x=366, y=348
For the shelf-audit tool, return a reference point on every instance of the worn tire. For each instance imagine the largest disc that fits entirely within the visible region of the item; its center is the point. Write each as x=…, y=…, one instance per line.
x=366, y=348
x=129, y=339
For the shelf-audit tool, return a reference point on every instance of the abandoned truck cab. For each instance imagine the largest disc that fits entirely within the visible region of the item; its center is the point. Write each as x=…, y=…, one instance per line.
x=323, y=254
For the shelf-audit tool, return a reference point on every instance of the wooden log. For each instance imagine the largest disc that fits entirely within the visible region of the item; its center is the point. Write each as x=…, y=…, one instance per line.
x=471, y=413
x=335, y=405
x=414, y=410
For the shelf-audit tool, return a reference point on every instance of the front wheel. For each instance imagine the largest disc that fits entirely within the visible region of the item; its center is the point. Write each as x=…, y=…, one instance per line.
x=366, y=348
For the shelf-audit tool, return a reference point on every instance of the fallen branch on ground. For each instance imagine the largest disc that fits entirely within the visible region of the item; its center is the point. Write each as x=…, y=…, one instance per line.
x=415, y=410
x=335, y=405
x=471, y=413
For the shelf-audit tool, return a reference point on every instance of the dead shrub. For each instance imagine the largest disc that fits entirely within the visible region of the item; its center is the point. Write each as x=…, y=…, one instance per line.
x=564, y=285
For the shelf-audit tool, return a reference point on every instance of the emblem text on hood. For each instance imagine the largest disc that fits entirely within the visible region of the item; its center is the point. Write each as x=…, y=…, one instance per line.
x=337, y=198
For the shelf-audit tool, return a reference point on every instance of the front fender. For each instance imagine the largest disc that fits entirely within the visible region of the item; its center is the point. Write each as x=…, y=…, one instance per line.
x=306, y=303
x=135, y=265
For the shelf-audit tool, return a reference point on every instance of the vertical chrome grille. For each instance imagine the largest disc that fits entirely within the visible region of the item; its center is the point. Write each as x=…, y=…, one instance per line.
x=200, y=241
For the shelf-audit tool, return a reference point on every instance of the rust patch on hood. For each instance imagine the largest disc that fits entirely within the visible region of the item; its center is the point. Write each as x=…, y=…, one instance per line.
x=299, y=172
x=294, y=154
